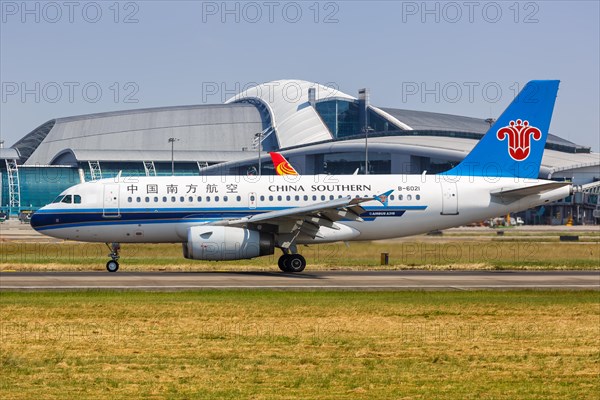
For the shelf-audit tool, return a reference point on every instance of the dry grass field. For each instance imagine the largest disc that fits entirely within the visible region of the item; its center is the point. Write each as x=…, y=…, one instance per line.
x=309, y=345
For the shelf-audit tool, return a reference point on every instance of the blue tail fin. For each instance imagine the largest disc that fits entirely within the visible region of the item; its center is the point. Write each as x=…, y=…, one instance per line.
x=514, y=145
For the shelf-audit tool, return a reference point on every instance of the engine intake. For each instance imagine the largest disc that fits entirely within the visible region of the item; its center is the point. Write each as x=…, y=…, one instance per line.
x=216, y=243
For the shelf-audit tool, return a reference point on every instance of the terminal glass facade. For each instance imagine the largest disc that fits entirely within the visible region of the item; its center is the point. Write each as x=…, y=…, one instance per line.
x=342, y=118
x=39, y=186
x=348, y=163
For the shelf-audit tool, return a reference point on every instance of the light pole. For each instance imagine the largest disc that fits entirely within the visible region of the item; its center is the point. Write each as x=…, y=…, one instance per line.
x=366, y=130
x=258, y=137
x=172, y=140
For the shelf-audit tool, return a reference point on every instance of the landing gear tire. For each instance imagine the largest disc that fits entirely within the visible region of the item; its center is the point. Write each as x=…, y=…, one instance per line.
x=112, y=266
x=292, y=263
x=295, y=263
x=281, y=262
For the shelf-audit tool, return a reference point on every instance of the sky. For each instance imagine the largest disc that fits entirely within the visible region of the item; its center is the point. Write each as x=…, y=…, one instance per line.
x=65, y=58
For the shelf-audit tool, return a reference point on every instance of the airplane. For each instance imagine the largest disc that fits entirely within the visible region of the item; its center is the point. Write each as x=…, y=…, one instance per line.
x=241, y=217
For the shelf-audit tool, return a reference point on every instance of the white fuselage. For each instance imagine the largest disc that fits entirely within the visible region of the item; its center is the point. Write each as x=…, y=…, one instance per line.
x=161, y=209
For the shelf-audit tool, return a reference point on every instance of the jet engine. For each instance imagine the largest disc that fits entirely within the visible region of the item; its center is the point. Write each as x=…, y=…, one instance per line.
x=216, y=243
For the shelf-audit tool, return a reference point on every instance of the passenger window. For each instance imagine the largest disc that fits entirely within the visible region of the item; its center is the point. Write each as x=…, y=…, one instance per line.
x=182, y=199
x=279, y=198
x=418, y=197
x=225, y=198
x=392, y=197
x=138, y=199
x=173, y=199
x=216, y=198
x=288, y=198
x=77, y=199
x=208, y=199
x=129, y=199
x=305, y=197
x=408, y=197
x=164, y=199
x=147, y=199
x=270, y=198
x=156, y=199
x=191, y=199
x=262, y=198
x=400, y=197
x=67, y=199
x=297, y=197
x=314, y=197
x=238, y=198
x=199, y=198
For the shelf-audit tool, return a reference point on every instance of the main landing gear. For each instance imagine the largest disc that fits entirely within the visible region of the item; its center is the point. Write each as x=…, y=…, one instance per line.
x=113, y=265
x=291, y=263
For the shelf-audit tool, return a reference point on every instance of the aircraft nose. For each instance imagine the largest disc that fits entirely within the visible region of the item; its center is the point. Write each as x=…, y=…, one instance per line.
x=35, y=220
x=39, y=219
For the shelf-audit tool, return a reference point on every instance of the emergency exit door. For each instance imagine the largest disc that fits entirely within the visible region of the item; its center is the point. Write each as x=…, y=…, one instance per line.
x=449, y=198
x=111, y=207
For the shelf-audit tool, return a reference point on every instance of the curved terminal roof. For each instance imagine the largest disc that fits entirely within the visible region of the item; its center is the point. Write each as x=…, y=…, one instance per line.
x=294, y=120
x=140, y=133
x=444, y=124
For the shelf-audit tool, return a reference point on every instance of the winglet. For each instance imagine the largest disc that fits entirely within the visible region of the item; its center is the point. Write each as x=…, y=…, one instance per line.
x=383, y=198
x=282, y=166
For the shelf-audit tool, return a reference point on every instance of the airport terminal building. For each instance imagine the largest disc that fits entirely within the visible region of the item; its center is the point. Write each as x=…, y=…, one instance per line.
x=320, y=130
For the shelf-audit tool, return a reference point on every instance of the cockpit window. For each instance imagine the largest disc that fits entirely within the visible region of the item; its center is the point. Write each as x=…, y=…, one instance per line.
x=77, y=199
x=67, y=199
x=58, y=199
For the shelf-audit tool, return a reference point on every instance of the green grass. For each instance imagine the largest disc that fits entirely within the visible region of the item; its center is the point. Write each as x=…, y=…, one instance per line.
x=312, y=345
x=511, y=253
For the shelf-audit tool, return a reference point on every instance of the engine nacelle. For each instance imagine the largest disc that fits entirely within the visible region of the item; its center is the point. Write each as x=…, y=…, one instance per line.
x=216, y=243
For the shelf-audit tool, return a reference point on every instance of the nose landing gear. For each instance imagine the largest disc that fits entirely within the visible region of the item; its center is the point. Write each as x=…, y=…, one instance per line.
x=113, y=265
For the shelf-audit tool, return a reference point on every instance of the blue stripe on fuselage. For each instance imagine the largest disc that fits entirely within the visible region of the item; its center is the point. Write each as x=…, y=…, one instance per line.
x=56, y=219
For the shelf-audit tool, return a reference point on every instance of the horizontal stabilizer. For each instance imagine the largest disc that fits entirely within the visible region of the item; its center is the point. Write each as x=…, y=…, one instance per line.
x=529, y=190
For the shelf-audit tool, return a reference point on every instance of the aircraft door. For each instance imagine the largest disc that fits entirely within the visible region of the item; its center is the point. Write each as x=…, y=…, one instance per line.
x=252, y=200
x=449, y=198
x=111, y=207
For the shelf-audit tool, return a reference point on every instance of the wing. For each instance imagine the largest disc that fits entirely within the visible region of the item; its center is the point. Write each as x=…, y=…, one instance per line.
x=306, y=220
x=333, y=210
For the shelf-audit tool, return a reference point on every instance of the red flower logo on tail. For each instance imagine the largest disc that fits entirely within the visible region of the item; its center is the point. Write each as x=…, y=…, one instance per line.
x=519, y=138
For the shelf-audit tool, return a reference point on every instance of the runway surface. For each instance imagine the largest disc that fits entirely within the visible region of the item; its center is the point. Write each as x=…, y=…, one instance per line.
x=336, y=280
